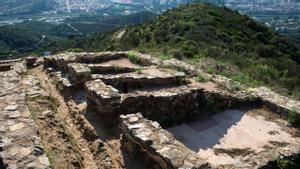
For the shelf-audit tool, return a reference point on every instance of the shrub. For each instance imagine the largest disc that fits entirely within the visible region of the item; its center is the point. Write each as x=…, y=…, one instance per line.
x=265, y=51
x=294, y=119
x=201, y=78
x=133, y=57
x=178, y=54
x=190, y=48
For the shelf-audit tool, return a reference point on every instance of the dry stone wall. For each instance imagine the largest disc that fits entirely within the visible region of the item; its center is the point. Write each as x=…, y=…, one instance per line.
x=158, y=145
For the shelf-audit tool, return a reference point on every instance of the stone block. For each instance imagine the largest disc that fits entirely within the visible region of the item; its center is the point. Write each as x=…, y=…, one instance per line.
x=79, y=73
x=104, y=98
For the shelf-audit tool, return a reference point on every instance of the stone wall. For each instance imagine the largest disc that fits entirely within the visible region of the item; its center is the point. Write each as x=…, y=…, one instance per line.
x=157, y=146
x=276, y=102
x=167, y=106
x=140, y=80
x=108, y=69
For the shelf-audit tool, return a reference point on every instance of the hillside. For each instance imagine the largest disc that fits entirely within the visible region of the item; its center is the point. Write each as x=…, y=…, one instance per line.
x=37, y=36
x=217, y=39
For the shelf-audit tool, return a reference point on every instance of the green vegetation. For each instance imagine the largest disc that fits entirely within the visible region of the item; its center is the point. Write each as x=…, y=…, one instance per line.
x=35, y=37
x=201, y=78
x=289, y=163
x=132, y=56
x=294, y=119
x=243, y=49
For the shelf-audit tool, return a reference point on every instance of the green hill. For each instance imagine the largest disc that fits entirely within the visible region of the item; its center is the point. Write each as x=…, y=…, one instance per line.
x=36, y=36
x=219, y=40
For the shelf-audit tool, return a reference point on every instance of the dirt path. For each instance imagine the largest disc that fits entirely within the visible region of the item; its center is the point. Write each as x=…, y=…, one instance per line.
x=66, y=149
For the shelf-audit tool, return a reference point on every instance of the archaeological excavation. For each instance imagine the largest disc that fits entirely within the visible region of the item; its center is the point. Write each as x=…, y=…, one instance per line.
x=131, y=110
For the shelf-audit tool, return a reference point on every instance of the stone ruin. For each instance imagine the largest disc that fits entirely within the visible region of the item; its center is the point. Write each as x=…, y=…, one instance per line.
x=165, y=116
x=147, y=97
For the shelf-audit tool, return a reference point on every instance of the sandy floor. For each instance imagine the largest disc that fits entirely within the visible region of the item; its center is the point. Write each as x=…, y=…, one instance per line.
x=123, y=62
x=208, y=86
x=229, y=134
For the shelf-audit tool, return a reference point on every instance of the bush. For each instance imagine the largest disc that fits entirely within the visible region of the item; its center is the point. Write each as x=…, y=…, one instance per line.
x=265, y=51
x=294, y=119
x=133, y=57
x=190, y=48
x=288, y=163
x=178, y=54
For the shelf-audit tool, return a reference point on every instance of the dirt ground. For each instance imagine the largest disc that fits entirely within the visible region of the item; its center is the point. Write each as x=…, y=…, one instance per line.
x=228, y=137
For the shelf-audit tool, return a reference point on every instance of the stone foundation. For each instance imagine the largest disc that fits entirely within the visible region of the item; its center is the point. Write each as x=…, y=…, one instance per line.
x=157, y=145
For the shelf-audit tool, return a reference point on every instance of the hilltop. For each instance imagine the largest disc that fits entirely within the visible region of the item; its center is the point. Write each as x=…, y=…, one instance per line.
x=217, y=39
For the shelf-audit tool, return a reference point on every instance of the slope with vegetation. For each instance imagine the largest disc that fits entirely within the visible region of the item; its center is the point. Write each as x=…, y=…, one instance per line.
x=38, y=36
x=219, y=40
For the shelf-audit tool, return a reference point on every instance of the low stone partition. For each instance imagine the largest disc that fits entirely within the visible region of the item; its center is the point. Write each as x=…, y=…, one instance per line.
x=104, y=99
x=79, y=73
x=276, y=102
x=127, y=81
x=61, y=61
x=109, y=69
x=100, y=57
x=157, y=146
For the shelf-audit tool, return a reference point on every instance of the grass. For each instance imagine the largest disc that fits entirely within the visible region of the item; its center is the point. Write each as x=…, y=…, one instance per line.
x=201, y=78
x=133, y=57
x=139, y=70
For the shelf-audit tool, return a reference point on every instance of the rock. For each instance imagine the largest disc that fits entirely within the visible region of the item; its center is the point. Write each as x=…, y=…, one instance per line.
x=155, y=124
x=32, y=165
x=16, y=127
x=2, y=129
x=44, y=160
x=47, y=113
x=2, y=93
x=11, y=108
x=30, y=61
x=25, y=151
x=12, y=166
x=14, y=114
x=38, y=151
x=1, y=145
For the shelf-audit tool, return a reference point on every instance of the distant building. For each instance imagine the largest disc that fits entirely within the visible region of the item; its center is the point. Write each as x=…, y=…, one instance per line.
x=47, y=53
